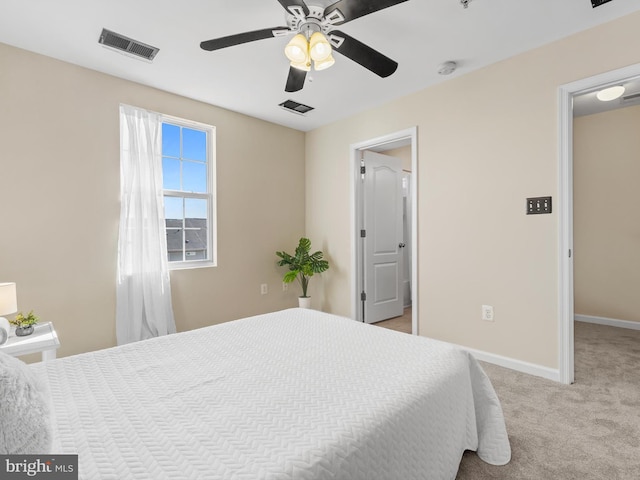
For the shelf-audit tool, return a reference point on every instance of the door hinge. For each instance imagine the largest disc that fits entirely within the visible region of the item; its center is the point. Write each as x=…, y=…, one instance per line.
x=363, y=296
x=363, y=233
x=569, y=253
x=363, y=170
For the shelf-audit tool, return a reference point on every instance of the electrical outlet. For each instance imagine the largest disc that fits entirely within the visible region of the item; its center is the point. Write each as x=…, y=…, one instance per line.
x=285, y=287
x=264, y=289
x=487, y=313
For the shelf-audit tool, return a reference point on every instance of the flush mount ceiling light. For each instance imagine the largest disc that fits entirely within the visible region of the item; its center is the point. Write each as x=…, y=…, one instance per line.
x=610, y=93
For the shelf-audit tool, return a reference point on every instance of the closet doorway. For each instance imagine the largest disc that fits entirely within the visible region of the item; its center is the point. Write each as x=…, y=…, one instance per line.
x=567, y=93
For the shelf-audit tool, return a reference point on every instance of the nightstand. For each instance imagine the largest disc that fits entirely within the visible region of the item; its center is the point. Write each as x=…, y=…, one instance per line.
x=43, y=339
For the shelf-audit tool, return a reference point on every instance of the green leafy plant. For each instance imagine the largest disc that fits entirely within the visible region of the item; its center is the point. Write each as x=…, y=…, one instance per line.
x=21, y=321
x=302, y=265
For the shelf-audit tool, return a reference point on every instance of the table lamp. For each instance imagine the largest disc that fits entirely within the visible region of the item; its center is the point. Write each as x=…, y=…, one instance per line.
x=8, y=305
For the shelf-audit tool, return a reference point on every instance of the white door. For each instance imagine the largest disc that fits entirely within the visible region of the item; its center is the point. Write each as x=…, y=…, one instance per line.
x=383, y=237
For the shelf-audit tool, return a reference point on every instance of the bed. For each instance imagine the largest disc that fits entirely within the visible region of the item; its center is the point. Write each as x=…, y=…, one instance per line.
x=297, y=394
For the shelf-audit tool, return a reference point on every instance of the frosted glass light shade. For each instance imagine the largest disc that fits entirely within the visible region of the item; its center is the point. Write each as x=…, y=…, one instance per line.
x=324, y=64
x=8, y=299
x=297, y=50
x=610, y=93
x=319, y=47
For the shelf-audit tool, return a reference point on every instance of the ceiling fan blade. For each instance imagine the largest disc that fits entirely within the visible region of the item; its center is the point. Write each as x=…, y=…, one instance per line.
x=239, y=38
x=294, y=3
x=352, y=9
x=363, y=54
x=295, y=80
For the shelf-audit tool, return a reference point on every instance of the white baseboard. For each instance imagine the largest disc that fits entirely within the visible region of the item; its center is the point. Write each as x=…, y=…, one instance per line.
x=517, y=365
x=612, y=322
x=539, y=370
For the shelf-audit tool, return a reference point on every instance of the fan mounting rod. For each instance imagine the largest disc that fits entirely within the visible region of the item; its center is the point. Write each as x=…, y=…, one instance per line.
x=310, y=27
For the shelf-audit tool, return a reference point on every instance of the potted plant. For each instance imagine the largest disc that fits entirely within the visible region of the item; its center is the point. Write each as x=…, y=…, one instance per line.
x=24, y=325
x=302, y=266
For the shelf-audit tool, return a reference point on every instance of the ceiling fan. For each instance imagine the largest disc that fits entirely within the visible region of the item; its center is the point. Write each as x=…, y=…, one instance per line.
x=316, y=37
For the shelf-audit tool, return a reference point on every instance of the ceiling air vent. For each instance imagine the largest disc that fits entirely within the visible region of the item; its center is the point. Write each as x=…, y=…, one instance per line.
x=127, y=45
x=597, y=3
x=295, y=107
x=632, y=99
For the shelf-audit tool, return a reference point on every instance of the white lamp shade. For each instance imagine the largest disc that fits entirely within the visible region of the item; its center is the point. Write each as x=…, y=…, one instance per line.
x=324, y=64
x=297, y=50
x=610, y=93
x=8, y=299
x=319, y=47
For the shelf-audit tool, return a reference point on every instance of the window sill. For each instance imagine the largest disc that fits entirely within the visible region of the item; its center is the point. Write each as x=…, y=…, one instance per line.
x=191, y=265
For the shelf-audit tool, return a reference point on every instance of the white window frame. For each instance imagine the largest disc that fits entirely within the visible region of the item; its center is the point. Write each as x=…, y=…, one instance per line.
x=210, y=196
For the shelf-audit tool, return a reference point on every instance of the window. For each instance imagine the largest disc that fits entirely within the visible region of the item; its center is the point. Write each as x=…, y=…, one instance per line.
x=188, y=177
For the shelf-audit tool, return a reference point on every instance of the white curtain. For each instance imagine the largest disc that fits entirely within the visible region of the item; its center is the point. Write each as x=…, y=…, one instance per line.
x=143, y=292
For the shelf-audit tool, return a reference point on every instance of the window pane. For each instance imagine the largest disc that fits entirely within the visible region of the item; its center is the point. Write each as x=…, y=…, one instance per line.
x=173, y=208
x=194, y=144
x=173, y=211
x=175, y=256
x=170, y=140
x=195, y=229
x=194, y=177
x=196, y=241
x=195, y=208
x=170, y=174
x=175, y=242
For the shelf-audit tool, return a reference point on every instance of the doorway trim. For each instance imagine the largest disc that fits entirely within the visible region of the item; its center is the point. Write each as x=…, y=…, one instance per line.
x=566, y=314
x=410, y=134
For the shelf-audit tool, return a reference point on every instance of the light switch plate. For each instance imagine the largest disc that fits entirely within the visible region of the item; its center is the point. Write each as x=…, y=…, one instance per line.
x=536, y=205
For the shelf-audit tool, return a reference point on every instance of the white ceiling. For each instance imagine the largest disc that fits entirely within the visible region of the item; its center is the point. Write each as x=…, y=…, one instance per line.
x=250, y=78
x=587, y=103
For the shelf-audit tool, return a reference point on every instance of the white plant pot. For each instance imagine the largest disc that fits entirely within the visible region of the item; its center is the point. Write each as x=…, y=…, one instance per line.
x=304, y=302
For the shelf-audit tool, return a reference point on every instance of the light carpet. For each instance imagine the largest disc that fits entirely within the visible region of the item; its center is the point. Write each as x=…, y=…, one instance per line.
x=588, y=430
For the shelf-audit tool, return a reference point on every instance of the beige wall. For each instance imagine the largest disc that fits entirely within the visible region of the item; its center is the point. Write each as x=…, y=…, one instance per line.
x=59, y=205
x=487, y=140
x=606, y=175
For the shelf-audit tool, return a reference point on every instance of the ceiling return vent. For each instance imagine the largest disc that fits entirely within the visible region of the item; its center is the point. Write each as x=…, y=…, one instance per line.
x=597, y=3
x=633, y=99
x=295, y=107
x=127, y=45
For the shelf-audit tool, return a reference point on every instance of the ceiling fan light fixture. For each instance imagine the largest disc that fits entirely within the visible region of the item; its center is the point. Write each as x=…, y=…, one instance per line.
x=306, y=65
x=297, y=50
x=319, y=47
x=610, y=93
x=315, y=38
x=324, y=64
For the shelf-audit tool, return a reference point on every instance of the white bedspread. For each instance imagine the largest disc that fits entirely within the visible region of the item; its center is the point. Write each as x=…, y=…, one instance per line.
x=296, y=394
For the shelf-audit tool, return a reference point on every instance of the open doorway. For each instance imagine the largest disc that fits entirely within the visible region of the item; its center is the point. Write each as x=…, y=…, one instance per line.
x=397, y=283
x=568, y=94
